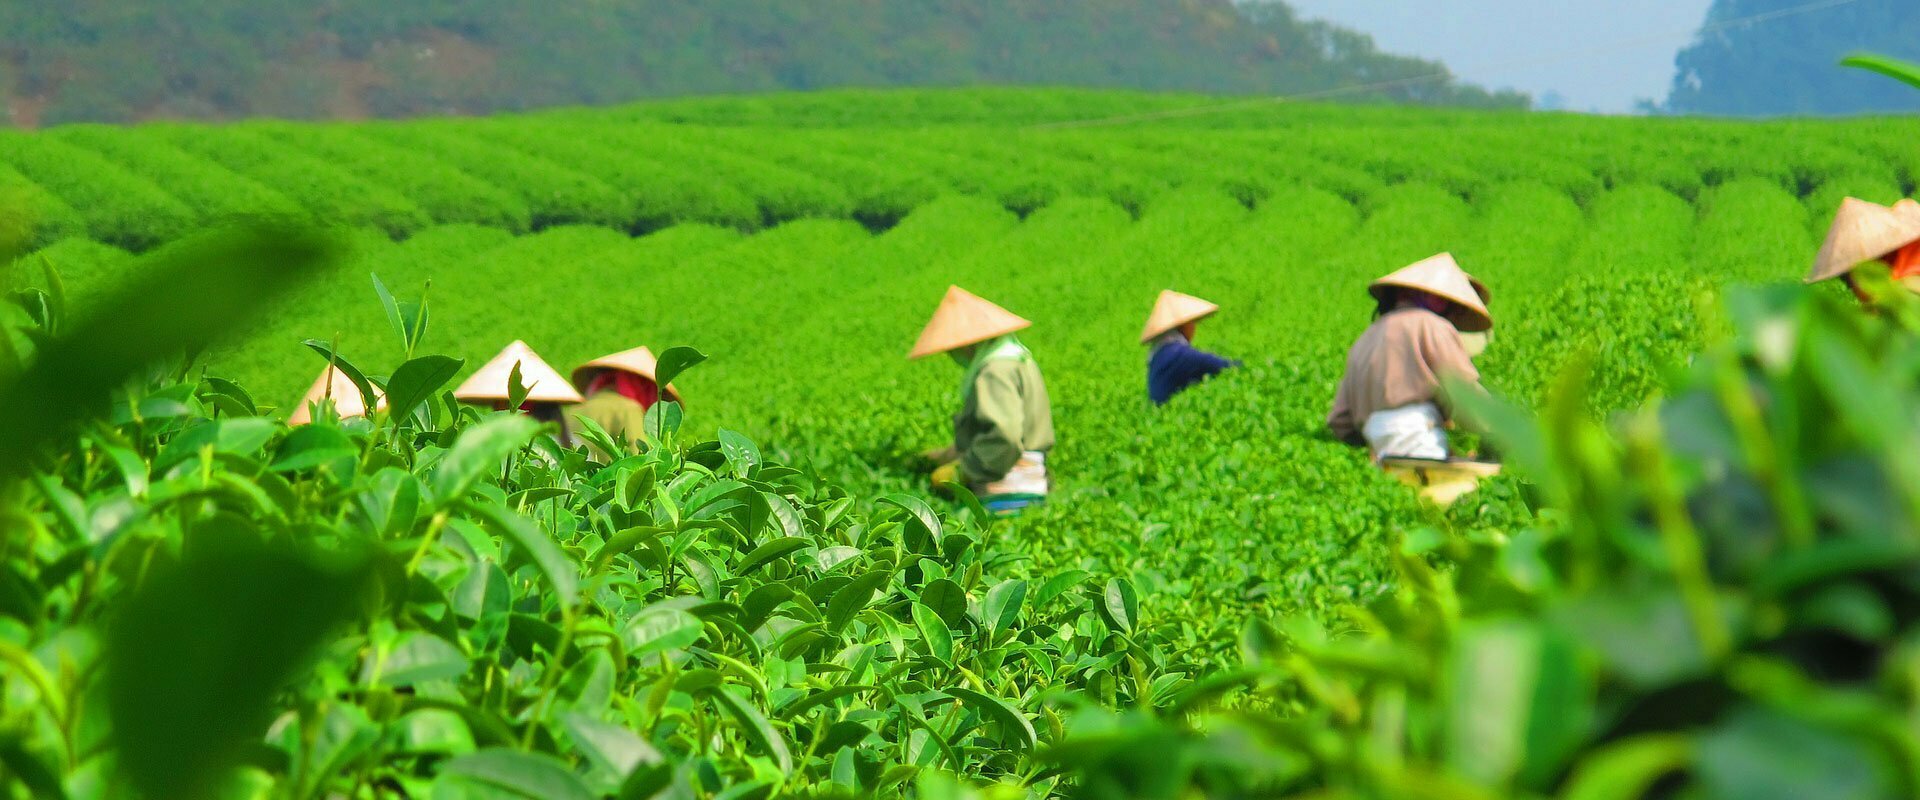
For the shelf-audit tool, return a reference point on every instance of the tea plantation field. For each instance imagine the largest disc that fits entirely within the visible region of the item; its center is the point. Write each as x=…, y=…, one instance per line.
x=800, y=241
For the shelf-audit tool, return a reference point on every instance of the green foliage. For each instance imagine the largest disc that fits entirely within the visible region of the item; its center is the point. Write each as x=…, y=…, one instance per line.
x=1713, y=609
x=448, y=604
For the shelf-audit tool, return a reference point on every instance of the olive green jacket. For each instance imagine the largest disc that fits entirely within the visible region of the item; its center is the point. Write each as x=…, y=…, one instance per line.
x=620, y=416
x=1004, y=411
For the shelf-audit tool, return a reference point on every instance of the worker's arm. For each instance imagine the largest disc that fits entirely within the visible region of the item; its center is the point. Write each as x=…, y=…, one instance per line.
x=1206, y=364
x=1447, y=357
x=999, y=418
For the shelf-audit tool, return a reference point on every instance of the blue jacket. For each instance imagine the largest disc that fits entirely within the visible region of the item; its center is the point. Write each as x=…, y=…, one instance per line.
x=1176, y=365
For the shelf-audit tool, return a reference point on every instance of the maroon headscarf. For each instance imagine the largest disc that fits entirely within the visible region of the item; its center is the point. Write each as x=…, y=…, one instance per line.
x=631, y=386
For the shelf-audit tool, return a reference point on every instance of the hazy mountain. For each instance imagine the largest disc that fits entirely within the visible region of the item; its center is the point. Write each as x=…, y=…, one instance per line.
x=1788, y=65
x=117, y=60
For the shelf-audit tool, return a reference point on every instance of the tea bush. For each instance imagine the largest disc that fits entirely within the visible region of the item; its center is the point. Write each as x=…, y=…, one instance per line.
x=750, y=162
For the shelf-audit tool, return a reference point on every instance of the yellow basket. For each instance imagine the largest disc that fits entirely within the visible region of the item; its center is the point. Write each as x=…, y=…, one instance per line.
x=1440, y=482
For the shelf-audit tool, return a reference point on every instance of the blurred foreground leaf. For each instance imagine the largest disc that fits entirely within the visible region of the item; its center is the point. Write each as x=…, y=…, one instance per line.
x=200, y=651
x=1904, y=71
x=186, y=295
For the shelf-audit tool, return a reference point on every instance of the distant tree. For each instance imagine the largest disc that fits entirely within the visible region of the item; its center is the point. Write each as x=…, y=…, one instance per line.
x=1788, y=65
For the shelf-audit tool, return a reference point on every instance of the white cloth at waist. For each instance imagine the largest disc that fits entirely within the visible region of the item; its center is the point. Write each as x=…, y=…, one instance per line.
x=1410, y=431
x=1028, y=476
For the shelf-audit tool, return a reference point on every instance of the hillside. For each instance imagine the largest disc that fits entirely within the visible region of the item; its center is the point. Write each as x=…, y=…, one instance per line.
x=107, y=61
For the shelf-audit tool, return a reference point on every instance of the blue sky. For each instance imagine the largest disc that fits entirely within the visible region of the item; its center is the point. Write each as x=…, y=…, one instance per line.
x=1598, y=54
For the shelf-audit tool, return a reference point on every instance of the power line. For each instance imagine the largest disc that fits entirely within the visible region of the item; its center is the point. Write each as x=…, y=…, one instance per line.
x=1363, y=88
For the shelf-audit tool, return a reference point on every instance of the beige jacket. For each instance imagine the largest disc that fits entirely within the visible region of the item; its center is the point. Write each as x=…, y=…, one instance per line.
x=1398, y=362
x=1004, y=413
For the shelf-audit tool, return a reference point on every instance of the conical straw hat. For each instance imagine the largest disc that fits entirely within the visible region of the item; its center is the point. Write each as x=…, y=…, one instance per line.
x=639, y=361
x=1863, y=231
x=1173, y=310
x=544, y=383
x=1441, y=276
x=963, y=319
x=334, y=386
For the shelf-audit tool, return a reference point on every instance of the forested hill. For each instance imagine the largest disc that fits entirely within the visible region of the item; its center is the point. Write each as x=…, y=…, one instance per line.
x=123, y=60
x=1787, y=65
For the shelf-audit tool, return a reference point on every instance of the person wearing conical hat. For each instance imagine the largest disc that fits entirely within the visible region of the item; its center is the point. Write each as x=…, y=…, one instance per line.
x=1863, y=232
x=1392, y=397
x=334, y=388
x=547, y=391
x=1004, y=429
x=1173, y=363
x=619, y=388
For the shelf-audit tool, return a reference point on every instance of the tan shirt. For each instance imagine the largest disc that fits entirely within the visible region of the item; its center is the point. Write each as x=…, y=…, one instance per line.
x=1398, y=362
x=619, y=416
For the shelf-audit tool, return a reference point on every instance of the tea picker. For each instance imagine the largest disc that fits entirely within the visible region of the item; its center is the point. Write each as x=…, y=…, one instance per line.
x=548, y=393
x=1864, y=231
x=1393, y=397
x=1004, y=427
x=619, y=388
x=1173, y=363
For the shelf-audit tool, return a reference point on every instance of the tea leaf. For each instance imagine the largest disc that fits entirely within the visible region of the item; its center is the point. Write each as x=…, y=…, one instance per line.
x=852, y=598
x=417, y=658
x=934, y=632
x=1014, y=726
x=560, y=572
x=766, y=553
x=946, y=599
x=659, y=629
x=416, y=381
x=497, y=774
x=1119, y=605
x=479, y=450
x=675, y=361
x=1001, y=609
x=337, y=361
x=758, y=730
